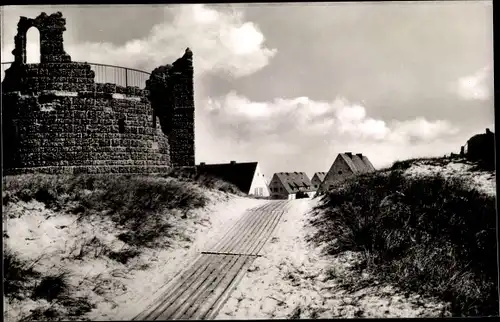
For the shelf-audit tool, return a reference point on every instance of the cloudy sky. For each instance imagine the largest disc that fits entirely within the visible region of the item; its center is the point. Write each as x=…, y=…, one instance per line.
x=292, y=85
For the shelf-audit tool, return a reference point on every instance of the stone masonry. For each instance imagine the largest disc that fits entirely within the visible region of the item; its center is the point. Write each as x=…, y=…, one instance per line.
x=171, y=94
x=56, y=119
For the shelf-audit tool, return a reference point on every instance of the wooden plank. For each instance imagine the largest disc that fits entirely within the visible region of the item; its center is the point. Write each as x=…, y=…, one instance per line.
x=207, y=293
x=242, y=222
x=245, y=249
x=187, y=291
x=231, y=230
x=198, y=294
x=236, y=229
x=182, y=288
x=223, y=296
x=202, y=290
x=255, y=235
x=170, y=287
x=240, y=235
x=263, y=241
x=248, y=235
x=245, y=233
x=220, y=290
x=261, y=235
x=235, y=234
x=238, y=254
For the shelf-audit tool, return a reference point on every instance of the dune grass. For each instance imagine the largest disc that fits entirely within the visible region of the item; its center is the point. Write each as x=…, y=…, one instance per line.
x=136, y=203
x=140, y=206
x=478, y=165
x=22, y=281
x=204, y=180
x=429, y=235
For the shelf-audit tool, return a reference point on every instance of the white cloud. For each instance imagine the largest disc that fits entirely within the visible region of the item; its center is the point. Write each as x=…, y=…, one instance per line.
x=476, y=86
x=303, y=134
x=316, y=118
x=421, y=130
x=221, y=42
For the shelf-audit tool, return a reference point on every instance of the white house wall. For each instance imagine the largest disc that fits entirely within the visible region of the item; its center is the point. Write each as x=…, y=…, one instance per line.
x=259, y=181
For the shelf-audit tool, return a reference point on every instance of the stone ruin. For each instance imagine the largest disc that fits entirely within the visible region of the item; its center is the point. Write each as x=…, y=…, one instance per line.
x=57, y=119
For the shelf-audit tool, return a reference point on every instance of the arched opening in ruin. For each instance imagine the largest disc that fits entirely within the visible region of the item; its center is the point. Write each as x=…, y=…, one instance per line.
x=33, y=46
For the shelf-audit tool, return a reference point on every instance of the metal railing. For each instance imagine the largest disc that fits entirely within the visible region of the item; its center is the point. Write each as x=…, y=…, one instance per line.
x=121, y=76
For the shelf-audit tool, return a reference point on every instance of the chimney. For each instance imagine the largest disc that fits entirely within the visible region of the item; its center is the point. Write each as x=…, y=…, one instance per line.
x=349, y=154
x=360, y=155
x=202, y=164
x=233, y=162
x=488, y=131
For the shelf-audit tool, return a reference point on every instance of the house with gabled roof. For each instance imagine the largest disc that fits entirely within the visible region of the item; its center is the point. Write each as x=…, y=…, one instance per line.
x=345, y=165
x=290, y=185
x=317, y=179
x=480, y=147
x=246, y=176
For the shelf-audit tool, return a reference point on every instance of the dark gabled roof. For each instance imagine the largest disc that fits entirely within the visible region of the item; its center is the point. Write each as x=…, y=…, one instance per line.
x=295, y=181
x=319, y=175
x=358, y=164
x=239, y=174
x=367, y=162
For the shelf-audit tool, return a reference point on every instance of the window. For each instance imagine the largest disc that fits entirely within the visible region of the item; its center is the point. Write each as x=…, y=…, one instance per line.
x=340, y=172
x=121, y=125
x=33, y=35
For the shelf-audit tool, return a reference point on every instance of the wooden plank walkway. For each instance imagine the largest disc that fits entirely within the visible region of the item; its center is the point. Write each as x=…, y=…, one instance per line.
x=201, y=290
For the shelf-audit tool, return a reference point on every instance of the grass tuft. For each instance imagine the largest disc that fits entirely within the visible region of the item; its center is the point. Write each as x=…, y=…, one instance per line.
x=51, y=287
x=65, y=308
x=17, y=275
x=124, y=256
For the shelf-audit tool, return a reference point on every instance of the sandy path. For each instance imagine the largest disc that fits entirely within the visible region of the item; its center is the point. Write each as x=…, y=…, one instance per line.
x=295, y=280
x=202, y=289
x=119, y=291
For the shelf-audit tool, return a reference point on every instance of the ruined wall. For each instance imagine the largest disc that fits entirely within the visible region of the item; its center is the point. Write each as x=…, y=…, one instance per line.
x=56, y=119
x=89, y=132
x=172, y=97
x=51, y=30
